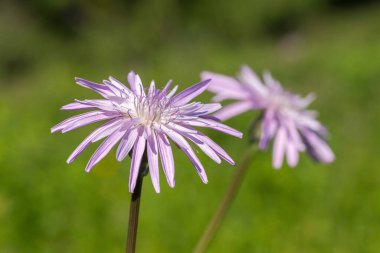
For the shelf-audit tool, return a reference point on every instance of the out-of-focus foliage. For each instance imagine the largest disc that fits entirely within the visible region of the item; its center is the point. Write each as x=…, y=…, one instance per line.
x=329, y=47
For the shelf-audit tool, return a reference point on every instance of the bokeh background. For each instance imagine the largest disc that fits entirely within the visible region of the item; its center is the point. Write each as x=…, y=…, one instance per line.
x=330, y=47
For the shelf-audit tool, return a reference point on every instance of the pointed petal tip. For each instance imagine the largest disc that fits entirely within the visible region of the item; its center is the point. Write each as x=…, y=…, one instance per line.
x=131, y=188
x=78, y=79
x=89, y=167
x=157, y=190
x=205, y=75
x=206, y=81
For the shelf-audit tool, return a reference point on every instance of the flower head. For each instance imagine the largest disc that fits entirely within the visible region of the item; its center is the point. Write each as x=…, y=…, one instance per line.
x=144, y=121
x=284, y=115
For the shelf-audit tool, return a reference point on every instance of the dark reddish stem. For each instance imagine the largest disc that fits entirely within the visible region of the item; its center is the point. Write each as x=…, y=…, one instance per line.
x=134, y=211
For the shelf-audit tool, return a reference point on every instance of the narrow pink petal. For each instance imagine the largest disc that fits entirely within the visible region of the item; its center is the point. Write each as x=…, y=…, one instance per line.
x=251, y=80
x=305, y=101
x=137, y=86
x=104, y=149
x=167, y=86
x=75, y=118
x=291, y=154
x=214, y=125
x=279, y=148
x=234, y=109
x=77, y=106
x=100, y=88
x=219, y=150
x=204, y=109
x=203, y=146
x=126, y=144
x=271, y=82
x=318, y=148
x=116, y=83
x=184, y=145
x=138, y=152
x=152, y=88
x=308, y=122
x=175, y=137
x=269, y=128
x=88, y=120
x=108, y=127
x=181, y=128
x=225, y=87
x=186, y=95
x=167, y=160
x=153, y=162
x=295, y=136
x=108, y=131
x=172, y=92
x=197, y=164
x=102, y=104
x=131, y=79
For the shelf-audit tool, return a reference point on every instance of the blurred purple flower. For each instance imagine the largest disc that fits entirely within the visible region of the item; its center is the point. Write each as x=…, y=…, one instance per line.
x=143, y=121
x=284, y=115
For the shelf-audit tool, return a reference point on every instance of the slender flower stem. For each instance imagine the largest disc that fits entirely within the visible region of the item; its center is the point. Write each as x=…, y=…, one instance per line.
x=226, y=202
x=134, y=211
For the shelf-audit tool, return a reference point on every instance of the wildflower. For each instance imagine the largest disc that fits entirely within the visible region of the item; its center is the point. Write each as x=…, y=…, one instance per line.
x=143, y=122
x=284, y=115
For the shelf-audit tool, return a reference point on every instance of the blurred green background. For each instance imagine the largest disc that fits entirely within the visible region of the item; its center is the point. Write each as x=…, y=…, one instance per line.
x=331, y=47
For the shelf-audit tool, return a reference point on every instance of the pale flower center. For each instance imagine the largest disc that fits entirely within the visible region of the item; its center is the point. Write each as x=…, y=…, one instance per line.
x=280, y=102
x=149, y=110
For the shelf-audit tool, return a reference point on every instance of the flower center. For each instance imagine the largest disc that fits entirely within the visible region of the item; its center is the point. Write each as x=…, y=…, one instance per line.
x=280, y=101
x=149, y=110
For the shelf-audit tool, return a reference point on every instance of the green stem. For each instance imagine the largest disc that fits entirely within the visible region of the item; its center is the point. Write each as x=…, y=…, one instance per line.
x=226, y=202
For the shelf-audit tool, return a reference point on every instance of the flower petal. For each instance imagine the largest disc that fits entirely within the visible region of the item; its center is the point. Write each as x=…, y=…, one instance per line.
x=186, y=95
x=167, y=160
x=153, y=162
x=317, y=148
x=185, y=147
x=251, y=80
x=224, y=87
x=126, y=144
x=219, y=150
x=214, y=125
x=77, y=106
x=81, y=120
x=138, y=152
x=279, y=148
x=104, y=149
x=291, y=154
x=234, y=109
x=108, y=127
x=100, y=88
x=203, y=146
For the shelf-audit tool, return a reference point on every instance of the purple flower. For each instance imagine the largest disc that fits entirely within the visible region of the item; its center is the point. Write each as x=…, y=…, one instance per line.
x=144, y=121
x=284, y=115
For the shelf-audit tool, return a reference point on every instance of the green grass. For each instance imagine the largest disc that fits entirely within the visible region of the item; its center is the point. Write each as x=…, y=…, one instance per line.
x=49, y=206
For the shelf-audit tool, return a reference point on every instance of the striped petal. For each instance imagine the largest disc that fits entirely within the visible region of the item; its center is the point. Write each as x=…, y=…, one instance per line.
x=138, y=152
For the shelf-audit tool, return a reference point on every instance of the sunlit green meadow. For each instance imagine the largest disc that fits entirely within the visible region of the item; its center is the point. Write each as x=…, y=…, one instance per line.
x=47, y=205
